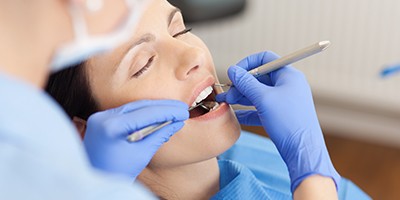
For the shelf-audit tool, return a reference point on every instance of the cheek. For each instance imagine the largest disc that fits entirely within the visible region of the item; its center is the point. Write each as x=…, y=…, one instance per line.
x=159, y=88
x=151, y=87
x=197, y=142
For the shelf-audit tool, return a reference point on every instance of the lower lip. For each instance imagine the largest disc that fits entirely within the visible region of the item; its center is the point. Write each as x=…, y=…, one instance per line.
x=222, y=109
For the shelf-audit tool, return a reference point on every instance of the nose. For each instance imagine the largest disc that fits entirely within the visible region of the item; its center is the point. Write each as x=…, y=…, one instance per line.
x=186, y=58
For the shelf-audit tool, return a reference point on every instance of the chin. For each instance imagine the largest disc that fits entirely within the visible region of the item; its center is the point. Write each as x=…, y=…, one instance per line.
x=200, y=139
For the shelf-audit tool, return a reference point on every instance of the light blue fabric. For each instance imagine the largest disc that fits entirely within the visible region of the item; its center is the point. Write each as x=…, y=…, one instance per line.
x=41, y=154
x=238, y=182
x=261, y=166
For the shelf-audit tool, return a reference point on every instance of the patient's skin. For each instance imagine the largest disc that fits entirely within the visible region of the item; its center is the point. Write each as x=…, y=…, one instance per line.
x=179, y=67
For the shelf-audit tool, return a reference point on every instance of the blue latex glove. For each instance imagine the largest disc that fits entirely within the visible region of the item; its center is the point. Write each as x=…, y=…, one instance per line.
x=285, y=108
x=106, y=133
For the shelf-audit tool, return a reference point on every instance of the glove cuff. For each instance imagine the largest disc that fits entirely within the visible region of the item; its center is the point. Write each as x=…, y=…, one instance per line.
x=308, y=162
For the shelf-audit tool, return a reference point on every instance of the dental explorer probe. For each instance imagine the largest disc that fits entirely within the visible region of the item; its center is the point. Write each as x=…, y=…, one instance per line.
x=286, y=60
x=259, y=71
x=140, y=134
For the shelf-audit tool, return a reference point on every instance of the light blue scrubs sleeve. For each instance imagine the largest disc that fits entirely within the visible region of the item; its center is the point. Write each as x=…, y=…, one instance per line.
x=41, y=154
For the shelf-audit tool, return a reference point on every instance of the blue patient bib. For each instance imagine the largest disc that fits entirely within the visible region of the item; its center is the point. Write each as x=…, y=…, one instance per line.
x=261, y=157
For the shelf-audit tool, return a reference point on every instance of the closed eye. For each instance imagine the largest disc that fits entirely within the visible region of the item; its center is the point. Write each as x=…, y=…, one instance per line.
x=144, y=68
x=186, y=30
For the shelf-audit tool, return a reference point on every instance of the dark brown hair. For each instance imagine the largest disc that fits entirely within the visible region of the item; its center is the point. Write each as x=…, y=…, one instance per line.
x=71, y=89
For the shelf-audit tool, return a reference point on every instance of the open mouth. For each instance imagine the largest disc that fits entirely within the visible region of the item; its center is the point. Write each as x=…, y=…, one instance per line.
x=204, y=103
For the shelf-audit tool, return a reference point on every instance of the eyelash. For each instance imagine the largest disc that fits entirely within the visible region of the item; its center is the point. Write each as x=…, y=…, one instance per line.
x=187, y=30
x=145, y=68
x=150, y=61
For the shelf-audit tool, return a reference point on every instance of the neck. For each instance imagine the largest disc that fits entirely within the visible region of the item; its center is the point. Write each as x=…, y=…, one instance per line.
x=194, y=181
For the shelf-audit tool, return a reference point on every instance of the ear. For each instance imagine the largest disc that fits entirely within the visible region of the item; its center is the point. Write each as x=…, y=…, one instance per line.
x=80, y=125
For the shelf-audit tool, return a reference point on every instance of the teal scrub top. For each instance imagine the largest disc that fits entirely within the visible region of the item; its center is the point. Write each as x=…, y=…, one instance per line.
x=42, y=156
x=253, y=169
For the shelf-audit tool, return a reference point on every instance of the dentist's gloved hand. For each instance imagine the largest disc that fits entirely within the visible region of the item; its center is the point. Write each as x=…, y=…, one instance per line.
x=285, y=108
x=105, y=138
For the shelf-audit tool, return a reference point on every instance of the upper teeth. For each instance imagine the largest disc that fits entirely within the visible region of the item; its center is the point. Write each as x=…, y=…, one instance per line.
x=204, y=94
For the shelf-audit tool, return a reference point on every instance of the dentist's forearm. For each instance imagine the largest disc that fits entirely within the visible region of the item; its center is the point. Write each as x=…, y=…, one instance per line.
x=316, y=187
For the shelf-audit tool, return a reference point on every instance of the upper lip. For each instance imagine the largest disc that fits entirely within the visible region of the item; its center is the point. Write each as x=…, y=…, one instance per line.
x=200, y=87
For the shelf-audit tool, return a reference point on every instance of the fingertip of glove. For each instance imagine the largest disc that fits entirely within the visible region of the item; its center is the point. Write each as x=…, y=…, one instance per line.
x=236, y=73
x=235, y=69
x=180, y=118
x=178, y=115
x=186, y=116
x=178, y=126
x=269, y=56
x=167, y=132
x=233, y=96
x=182, y=104
x=231, y=71
x=221, y=97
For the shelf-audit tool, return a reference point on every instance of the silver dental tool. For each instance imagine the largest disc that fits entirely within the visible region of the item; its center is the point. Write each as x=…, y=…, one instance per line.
x=140, y=134
x=259, y=71
x=286, y=60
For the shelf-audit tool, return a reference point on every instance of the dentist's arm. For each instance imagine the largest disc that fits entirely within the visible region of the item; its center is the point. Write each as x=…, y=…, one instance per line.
x=285, y=108
x=316, y=187
x=105, y=138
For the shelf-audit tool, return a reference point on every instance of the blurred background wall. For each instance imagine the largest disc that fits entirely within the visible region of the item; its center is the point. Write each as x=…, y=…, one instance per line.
x=351, y=98
x=359, y=111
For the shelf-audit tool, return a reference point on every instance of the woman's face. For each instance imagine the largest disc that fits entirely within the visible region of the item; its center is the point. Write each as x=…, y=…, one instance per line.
x=165, y=61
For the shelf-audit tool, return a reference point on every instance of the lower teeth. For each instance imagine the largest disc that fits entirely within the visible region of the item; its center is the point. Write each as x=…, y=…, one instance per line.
x=210, y=105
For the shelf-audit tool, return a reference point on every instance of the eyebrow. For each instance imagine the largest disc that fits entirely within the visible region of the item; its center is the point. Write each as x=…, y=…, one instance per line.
x=148, y=37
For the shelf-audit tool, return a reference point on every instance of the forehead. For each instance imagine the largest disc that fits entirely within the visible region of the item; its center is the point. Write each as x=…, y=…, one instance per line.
x=153, y=20
x=155, y=16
